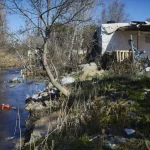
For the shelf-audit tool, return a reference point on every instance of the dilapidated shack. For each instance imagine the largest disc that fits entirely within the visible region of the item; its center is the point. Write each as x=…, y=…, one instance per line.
x=114, y=37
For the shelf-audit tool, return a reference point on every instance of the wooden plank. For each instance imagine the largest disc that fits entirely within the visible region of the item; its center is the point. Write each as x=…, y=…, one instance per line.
x=138, y=39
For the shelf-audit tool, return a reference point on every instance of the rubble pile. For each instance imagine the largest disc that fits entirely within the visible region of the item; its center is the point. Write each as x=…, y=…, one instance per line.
x=41, y=99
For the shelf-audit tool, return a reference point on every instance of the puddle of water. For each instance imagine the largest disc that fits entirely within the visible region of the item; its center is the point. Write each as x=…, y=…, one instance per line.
x=15, y=97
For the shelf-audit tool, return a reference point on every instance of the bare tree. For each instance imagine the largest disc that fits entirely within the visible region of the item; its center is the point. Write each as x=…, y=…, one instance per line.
x=3, y=23
x=115, y=11
x=48, y=12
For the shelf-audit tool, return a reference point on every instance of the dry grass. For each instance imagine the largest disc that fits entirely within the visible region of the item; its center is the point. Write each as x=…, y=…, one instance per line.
x=9, y=60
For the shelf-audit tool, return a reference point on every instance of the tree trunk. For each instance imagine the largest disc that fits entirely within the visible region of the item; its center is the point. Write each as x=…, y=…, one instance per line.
x=53, y=81
x=72, y=41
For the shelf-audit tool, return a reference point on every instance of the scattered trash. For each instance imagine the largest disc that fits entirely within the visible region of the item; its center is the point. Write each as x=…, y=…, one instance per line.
x=147, y=90
x=5, y=106
x=91, y=66
x=67, y=80
x=128, y=103
x=14, y=108
x=94, y=138
x=147, y=69
x=10, y=138
x=129, y=131
x=35, y=96
x=131, y=102
x=28, y=96
x=41, y=96
x=15, y=80
x=53, y=91
x=110, y=146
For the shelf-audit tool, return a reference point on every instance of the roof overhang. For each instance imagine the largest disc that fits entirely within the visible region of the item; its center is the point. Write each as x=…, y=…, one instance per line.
x=136, y=26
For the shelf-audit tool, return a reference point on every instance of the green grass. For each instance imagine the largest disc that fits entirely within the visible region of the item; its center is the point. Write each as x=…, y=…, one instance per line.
x=117, y=103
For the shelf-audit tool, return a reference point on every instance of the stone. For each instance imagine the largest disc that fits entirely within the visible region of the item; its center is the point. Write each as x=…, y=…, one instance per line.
x=34, y=106
x=93, y=64
x=89, y=73
x=67, y=80
x=38, y=106
x=45, y=125
x=90, y=67
x=47, y=103
x=83, y=66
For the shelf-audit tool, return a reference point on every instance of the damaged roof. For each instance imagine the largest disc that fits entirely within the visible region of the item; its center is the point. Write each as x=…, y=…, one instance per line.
x=136, y=26
x=132, y=26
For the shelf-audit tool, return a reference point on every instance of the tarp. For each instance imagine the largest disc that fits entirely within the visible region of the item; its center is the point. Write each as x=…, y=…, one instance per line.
x=107, y=31
x=111, y=28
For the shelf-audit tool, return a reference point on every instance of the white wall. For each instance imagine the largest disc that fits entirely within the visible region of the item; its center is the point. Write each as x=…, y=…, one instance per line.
x=143, y=45
x=119, y=41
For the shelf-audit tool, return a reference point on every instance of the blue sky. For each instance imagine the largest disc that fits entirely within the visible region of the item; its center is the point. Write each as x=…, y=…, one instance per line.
x=138, y=10
x=14, y=22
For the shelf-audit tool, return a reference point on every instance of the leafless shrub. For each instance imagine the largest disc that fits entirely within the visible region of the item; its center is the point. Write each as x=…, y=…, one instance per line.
x=115, y=11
